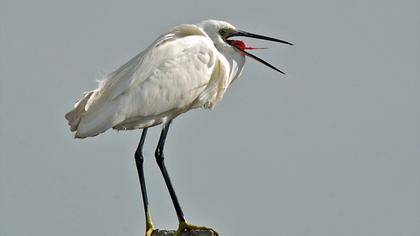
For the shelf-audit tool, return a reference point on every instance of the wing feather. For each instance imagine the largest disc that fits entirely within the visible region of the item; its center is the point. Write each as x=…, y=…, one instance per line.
x=158, y=84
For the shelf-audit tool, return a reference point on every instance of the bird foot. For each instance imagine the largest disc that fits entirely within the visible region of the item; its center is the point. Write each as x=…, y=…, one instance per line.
x=149, y=231
x=185, y=227
x=149, y=225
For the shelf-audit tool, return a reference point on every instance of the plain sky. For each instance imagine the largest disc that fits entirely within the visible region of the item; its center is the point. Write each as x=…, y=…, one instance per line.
x=332, y=148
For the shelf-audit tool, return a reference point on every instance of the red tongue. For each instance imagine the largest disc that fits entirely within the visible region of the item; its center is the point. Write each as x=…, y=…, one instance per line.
x=241, y=45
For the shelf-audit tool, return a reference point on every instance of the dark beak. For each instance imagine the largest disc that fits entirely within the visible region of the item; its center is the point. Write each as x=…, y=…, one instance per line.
x=240, y=33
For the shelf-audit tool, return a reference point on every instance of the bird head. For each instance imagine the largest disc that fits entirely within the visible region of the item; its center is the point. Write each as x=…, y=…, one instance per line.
x=221, y=32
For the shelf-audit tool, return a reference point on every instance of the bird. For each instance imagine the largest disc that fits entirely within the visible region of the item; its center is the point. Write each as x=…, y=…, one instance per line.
x=190, y=66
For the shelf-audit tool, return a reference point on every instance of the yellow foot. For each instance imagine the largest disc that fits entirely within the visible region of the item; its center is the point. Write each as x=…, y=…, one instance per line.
x=149, y=224
x=185, y=227
x=149, y=231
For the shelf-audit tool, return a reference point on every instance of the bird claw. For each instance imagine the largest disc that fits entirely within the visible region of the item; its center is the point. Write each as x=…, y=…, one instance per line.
x=185, y=227
x=149, y=231
x=149, y=225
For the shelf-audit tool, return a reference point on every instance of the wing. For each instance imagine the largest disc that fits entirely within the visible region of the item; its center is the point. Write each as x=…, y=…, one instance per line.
x=161, y=82
x=141, y=66
x=183, y=69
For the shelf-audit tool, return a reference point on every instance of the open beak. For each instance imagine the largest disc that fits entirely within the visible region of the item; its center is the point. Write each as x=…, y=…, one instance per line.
x=239, y=33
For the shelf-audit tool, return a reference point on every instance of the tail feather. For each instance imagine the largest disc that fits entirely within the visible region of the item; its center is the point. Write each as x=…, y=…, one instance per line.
x=89, y=119
x=74, y=116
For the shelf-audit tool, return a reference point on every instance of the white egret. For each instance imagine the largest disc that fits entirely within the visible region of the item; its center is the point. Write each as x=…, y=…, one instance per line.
x=191, y=66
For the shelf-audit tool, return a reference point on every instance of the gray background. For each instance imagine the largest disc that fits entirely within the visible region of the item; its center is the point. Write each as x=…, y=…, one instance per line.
x=333, y=148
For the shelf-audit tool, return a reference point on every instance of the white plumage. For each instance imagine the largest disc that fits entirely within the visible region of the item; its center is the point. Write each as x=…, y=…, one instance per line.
x=191, y=66
x=181, y=70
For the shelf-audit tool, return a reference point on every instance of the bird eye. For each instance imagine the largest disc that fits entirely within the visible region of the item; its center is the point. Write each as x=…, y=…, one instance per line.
x=222, y=32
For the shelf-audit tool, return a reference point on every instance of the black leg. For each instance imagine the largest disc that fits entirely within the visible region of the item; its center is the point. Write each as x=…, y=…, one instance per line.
x=160, y=161
x=139, y=163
